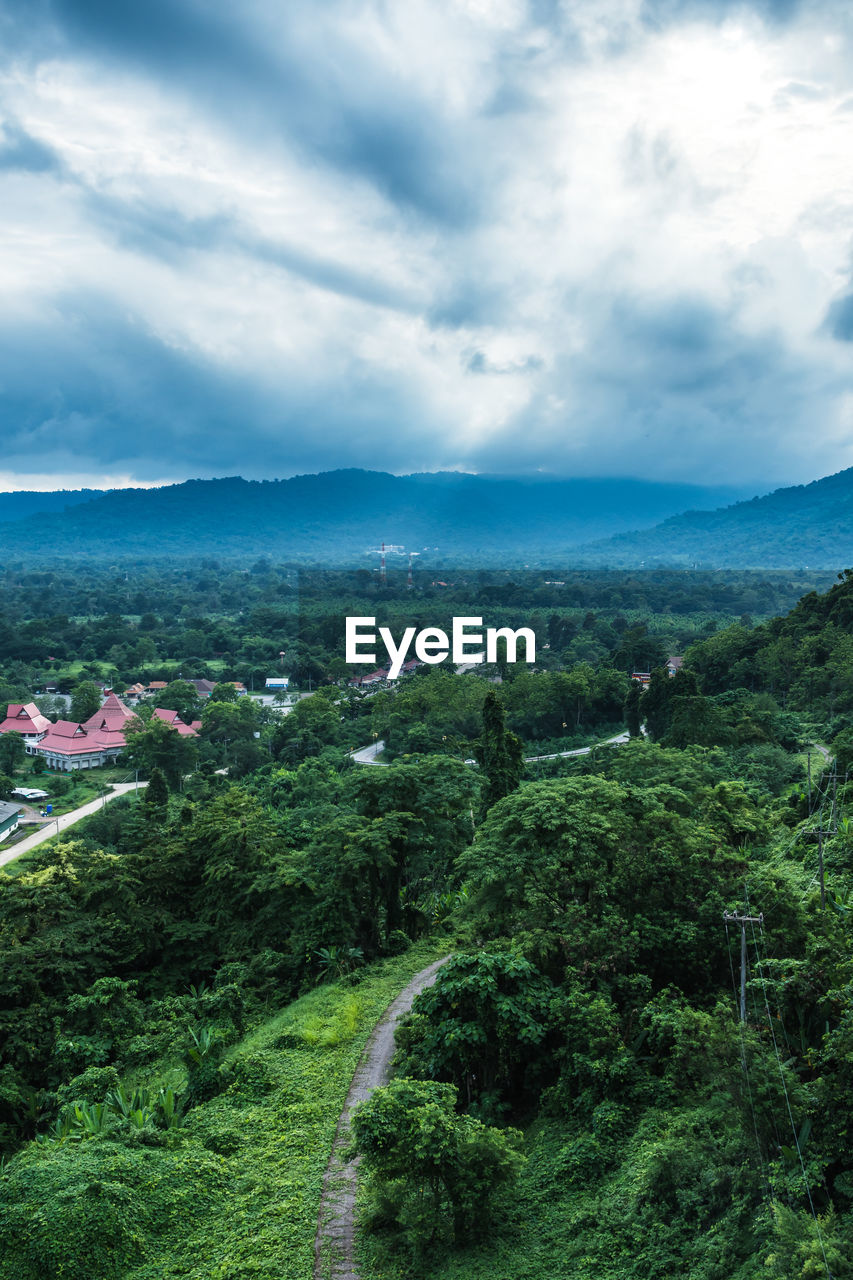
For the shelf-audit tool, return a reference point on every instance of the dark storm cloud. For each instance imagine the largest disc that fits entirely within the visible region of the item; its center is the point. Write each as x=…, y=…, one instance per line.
x=311, y=87
x=19, y=151
x=839, y=320
x=279, y=237
x=89, y=382
x=164, y=232
x=675, y=382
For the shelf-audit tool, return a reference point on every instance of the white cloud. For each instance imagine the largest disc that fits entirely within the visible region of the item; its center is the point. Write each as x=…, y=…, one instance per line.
x=652, y=225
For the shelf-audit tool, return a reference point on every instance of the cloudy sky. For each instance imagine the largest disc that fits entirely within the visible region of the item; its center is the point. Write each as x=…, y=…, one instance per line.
x=589, y=237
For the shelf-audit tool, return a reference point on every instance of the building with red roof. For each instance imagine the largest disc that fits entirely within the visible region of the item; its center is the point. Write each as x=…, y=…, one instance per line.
x=113, y=716
x=100, y=740
x=172, y=719
x=25, y=719
x=72, y=746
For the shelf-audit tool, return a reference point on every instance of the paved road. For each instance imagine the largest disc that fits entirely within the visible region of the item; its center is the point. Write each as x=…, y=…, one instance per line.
x=65, y=820
x=619, y=740
x=367, y=755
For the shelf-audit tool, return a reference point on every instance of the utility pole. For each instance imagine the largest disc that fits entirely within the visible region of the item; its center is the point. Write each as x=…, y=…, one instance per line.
x=732, y=917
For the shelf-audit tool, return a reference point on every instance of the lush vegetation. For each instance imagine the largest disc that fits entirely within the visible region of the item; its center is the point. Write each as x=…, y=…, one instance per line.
x=185, y=984
x=449, y=519
x=207, y=1164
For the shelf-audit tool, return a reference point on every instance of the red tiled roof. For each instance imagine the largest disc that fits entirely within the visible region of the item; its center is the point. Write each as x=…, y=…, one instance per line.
x=173, y=719
x=69, y=739
x=112, y=716
x=24, y=717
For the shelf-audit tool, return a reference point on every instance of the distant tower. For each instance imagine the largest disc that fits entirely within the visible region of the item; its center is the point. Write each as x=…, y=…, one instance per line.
x=381, y=552
x=409, y=582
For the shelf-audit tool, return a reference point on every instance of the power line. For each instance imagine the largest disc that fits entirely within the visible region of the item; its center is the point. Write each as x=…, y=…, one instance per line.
x=759, y=921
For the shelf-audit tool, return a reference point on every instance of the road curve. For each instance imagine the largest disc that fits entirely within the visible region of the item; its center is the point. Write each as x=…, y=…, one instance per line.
x=61, y=823
x=333, y=1245
x=368, y=754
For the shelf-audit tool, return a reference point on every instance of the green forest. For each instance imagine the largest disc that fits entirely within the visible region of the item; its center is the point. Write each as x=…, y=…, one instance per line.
x=636, y=1061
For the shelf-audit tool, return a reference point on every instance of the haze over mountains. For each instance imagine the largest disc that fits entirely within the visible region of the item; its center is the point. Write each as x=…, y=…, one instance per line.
x=338, y=515
x=335, y=517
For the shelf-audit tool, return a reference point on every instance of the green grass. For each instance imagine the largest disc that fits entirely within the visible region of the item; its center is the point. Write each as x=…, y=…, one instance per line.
x=235, y=1192
x=650, y=1210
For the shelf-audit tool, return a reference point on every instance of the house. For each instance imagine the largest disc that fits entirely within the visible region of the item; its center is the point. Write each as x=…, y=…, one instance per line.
x=134, y=693
x=72, y=746
x=642, y=677
x=239, y=686
x=30, y=794
x=204, y=688
x=673, y=664
x=25, y=719
x=110, y=723
x=174, y=720
x=373, y=677
x=99, y=740
x=156, y=686
x=8, y=819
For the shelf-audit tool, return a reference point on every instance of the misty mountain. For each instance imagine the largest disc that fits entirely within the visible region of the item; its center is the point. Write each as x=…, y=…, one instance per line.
x=26, y=502
x=340, y=515
x=802, y=526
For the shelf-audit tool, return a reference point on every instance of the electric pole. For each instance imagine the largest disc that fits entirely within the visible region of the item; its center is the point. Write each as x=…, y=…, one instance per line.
x=732, y=917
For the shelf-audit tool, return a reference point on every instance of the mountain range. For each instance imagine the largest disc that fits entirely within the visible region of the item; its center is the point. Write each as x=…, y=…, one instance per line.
x=340, y=517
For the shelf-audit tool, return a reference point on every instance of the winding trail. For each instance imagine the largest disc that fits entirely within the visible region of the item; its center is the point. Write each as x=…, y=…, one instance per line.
x=333, y=1246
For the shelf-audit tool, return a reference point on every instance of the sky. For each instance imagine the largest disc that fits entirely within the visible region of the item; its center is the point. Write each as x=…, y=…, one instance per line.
x=584, y=238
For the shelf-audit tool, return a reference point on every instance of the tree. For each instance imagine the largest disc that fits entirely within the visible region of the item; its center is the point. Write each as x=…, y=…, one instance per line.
x=605, y=879
x=180, y=696
x=156, y=798
x=85, y=701
x=436, y=1169
x=481, y=1027
x=12, y=752
x=224, y=692
x=225, y=724
x=632, y=708
x=498, y=752
x=158, y=746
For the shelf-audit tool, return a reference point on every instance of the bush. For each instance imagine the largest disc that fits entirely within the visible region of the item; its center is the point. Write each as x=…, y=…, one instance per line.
x=433, y=1172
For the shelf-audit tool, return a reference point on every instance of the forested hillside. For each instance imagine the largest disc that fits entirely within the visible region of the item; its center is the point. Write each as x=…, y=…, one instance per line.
x=337, y=517
x=186, y=981
x=804, y=525
x=24, y=504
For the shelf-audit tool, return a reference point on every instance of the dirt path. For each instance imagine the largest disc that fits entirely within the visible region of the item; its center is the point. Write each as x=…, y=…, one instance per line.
x=333, y=1247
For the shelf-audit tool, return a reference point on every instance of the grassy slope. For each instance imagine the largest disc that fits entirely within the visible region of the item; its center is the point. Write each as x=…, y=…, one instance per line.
x=657, y=1208
x=238, y=1194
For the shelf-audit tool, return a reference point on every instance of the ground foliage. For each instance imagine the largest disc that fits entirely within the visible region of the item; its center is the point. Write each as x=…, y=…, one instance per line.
x=231, y=1187
x=591, y=1004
